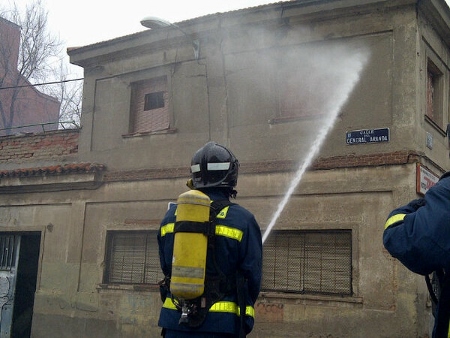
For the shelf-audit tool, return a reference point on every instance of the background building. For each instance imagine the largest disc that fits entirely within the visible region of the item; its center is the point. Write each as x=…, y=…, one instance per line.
x=23, y=109
x=269, y=83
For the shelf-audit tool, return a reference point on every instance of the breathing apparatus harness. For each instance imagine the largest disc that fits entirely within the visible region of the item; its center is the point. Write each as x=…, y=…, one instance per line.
x=216, y=286
x=194, y=289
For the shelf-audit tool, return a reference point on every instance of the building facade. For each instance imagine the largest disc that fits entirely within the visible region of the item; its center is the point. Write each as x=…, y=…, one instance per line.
x=340, y=108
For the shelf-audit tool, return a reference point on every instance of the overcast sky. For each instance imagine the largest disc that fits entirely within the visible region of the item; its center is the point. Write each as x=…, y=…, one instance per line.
x=84, y=22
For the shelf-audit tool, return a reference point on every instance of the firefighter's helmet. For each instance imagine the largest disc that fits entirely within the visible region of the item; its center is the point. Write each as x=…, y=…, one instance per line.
x=213, y=165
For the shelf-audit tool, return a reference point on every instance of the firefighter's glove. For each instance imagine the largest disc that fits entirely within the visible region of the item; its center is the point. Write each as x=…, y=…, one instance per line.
x=417, y=203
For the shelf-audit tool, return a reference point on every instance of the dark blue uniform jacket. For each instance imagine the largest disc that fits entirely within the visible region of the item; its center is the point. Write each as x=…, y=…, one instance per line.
x=418, y=234
x=241, y=251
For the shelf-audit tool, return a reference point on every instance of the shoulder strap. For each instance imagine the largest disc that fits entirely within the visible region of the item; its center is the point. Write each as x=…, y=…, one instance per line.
x=217, y=206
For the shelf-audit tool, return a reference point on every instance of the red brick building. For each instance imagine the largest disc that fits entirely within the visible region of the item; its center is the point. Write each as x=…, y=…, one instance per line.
x=23, y=109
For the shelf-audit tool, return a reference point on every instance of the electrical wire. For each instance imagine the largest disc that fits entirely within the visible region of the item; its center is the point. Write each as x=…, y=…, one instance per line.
x=42, y=84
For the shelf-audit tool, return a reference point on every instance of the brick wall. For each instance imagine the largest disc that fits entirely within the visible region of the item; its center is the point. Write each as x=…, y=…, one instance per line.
x=345, y=161
x=376, y=159
x=36, y=147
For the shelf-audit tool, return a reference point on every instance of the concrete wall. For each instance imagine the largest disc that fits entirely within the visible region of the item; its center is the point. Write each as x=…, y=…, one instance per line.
x=232, y=94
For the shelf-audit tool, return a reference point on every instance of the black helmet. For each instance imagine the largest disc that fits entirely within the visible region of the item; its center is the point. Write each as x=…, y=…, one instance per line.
x=214, y=165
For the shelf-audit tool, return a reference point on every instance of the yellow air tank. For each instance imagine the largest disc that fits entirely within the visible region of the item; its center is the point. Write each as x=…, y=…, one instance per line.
x=190, y=248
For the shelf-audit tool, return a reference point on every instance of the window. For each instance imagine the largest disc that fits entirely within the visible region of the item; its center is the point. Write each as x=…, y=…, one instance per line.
x=8, y=251
x=305, y=92
x=297, y=96
x=132, y=258
x=309, y=262
x=149, y=105
x=154, y=101
x=434, y=109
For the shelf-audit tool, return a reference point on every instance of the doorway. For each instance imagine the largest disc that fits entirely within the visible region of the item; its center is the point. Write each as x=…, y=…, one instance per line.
x=19, y=260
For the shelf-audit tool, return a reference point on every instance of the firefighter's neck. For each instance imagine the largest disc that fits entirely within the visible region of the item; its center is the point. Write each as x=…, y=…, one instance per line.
x=217, y=194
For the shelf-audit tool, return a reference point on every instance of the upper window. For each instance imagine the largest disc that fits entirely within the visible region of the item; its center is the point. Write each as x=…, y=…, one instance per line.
x=132, y=258
x=149, y=105
x=304, y=89
x=435, y=92
x=317, y=262
x=297, y=96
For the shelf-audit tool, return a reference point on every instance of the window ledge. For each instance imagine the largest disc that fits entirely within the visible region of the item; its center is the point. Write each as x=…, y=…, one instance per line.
x=286, y=119
x=296, y=298
x=435, y=125
x=156, y=132
x=128, y=287
x=263, y=296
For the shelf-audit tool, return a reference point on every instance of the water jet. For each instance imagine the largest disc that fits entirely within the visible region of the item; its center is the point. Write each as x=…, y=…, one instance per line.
x=344, y=67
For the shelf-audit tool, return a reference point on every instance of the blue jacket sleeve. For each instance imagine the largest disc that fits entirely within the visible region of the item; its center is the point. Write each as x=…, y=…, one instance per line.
x=251, y=263
x=165, y=243
x=418, y=234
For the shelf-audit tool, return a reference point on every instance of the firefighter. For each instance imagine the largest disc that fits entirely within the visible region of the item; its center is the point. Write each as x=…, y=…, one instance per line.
x=233, y=260
x=418, y=235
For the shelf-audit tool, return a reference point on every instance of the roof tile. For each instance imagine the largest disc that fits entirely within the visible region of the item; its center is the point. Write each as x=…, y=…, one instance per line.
x=54, y=170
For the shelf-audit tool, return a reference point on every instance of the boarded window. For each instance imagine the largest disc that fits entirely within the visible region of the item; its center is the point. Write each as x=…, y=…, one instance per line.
x=434, y=90
x=306, y=92
x=296, y=96
x=149, y=105
x=310, y=262
x=430, y=94
x=132, y=258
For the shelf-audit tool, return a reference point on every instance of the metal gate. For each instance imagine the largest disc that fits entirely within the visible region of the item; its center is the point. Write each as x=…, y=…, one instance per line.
x=9, y=257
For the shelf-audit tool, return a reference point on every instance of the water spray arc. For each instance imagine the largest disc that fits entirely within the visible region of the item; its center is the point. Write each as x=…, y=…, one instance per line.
x=347, y=70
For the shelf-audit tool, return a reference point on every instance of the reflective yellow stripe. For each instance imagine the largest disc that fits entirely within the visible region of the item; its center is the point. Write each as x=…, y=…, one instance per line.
x=228, y=307
x=226, y=231
x=168, y=304
x=166, y=229
x=232, y=308
x=221, y=230
x=250, y=311
x=394, y=219
x=223, y=213
x=225, y=307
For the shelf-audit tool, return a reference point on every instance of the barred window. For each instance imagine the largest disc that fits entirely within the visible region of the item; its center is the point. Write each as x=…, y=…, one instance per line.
x=149, y=105
x=308, y=262
x=8, y=251
x=132, y=258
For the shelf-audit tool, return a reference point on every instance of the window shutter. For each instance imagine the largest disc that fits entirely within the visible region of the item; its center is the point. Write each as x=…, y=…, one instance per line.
x=308, y=262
